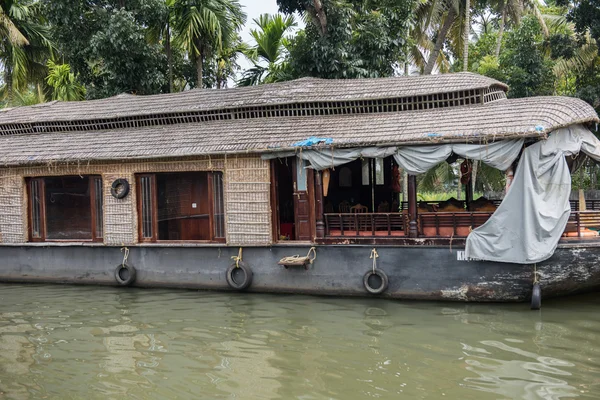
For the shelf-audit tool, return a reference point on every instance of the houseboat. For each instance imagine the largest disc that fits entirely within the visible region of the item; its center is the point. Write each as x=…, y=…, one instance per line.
x=294, y=188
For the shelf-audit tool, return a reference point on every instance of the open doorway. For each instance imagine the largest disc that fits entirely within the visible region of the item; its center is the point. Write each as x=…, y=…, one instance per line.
x=292, y=208
x=367, y=185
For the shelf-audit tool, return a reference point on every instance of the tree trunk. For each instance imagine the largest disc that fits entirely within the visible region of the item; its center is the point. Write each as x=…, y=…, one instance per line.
x=318, y=17
x=467, y=31
x=540, y=18
x=199, y=71
x=439, y=42
x=500, y=29
x=169, y=56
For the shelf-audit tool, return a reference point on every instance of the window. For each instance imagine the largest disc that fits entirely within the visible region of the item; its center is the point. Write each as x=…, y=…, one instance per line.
x=65, y=208
x=186, y=206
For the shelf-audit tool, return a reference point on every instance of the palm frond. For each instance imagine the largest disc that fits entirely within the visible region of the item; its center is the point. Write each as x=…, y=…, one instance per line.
x=584, y=57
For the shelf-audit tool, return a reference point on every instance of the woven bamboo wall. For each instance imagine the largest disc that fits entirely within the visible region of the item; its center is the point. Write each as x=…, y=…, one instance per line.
x=247, y=206
x=246, y=195
x=120, y=215
x=13, y=224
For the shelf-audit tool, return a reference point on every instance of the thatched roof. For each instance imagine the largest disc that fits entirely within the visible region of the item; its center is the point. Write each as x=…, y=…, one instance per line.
x=529, y=117
x=305, y=90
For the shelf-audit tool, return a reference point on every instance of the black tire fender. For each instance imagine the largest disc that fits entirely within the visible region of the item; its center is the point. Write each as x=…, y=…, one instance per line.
x=115, y=185
x=536, y=297
x=125, y=274
x=239, y=276
x=384, y=281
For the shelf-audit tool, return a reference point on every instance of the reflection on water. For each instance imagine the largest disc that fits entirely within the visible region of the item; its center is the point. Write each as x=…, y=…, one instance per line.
x=103, y=343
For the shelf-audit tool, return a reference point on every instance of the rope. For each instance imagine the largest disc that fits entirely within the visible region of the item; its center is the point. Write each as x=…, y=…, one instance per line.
x=535, y=274
x=124, y=250
x=296, y=258
x=374, y=256
x=237, y=258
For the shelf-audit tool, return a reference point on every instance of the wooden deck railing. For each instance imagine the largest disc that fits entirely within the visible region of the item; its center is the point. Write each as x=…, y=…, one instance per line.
x=580, y=222
x=364, y=224
x=589, y=204
x=436, y=224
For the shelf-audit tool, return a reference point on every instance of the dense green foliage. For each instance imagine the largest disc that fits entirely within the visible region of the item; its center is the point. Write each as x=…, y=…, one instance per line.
x=102, y=48
x=106, y=44
x=364, y=38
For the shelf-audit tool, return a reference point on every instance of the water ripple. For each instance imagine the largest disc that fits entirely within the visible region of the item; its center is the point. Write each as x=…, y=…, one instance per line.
x=61, y=342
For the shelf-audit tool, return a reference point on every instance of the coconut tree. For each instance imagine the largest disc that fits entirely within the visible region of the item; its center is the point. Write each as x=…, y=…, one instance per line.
x=270, y=49
x=203, y=25
x=24, y=45
x=162, y=33
x=448, y=21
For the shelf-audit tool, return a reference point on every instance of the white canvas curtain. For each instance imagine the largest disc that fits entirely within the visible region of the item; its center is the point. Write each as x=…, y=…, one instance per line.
x=414, y=159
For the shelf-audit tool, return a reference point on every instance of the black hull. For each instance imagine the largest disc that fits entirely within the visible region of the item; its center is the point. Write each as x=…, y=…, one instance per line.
x=417, y=272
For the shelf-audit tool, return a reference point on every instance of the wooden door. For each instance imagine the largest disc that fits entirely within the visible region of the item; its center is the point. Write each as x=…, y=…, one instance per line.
x=194, y=207
x=301, y=202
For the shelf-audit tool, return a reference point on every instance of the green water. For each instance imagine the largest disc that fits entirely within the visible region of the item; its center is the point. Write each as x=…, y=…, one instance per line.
x=68, y=342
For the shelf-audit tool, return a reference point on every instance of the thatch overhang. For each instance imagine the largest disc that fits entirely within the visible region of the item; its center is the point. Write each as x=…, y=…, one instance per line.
x=508, y=118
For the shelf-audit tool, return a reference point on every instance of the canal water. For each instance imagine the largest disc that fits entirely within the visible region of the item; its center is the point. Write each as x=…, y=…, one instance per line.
x=70, y=342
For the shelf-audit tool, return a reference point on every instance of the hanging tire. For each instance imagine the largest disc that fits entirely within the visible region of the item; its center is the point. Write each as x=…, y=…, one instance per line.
x=536, y=297
x=125, y=274
x=121, y=183
x=239, y=277
x=375, y=281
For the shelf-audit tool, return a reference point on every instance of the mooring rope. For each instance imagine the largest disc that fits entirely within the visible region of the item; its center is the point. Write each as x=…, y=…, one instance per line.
x=374, y=256
x=296, y=258
x=237, y=258
x=124, y=250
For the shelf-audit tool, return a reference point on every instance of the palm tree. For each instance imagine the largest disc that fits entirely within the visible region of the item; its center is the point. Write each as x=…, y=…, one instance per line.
x=441, y=15
x=226, y=60
x=162, y=33
x=448, y=20
x=507, y=9
x=270, y=49
x=466, y=31
x=24, y=45
x=202, y=26
x=63, y=83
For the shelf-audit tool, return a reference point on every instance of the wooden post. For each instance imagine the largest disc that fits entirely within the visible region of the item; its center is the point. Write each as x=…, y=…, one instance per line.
x=319, y=204
x=412, y=206
x=469, y=187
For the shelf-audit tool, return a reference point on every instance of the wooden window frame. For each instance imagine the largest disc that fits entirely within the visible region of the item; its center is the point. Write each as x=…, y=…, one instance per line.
x=43, y=226
x=154, y=194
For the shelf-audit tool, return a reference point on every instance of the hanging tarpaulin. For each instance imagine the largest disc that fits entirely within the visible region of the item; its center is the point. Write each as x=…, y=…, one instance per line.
x=530, y=221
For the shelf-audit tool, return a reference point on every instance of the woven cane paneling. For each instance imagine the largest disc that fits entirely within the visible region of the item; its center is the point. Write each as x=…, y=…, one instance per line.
x=248, y=211
x=13, y=225
x=120, y=216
